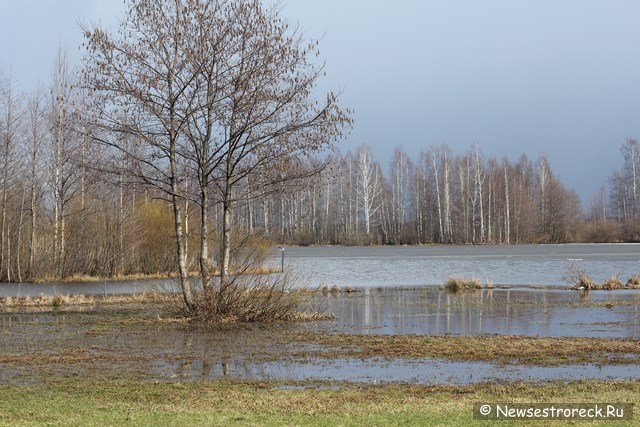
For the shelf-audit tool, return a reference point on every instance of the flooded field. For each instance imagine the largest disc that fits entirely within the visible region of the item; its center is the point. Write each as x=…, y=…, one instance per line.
x=515, y=311
x=393, y=266
x=136, y=344
x=399, y=295
x=432, y=265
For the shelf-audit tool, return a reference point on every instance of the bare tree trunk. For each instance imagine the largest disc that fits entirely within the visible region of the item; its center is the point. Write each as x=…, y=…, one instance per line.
x=63, y=245
x=19, y=245
x=439, y=204
x=3, y=225
x=8, y=258
x=446, y=182
x=180, y=243
x=226, y=238
x=83, y=170
x=507, y=209
x=205, y=264
x=32, y=237
x=120, y=268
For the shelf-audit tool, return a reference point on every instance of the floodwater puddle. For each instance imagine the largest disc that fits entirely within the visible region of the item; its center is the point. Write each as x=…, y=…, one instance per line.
x=103, y=343
x=378, y=370
x=515, y=311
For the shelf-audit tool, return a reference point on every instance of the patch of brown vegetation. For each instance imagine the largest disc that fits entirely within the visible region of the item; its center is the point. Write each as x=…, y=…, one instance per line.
x=585, y=283
x=326, y=290
x=86, y=300
x=155, y=276
x=634, y=282
x=500, y=349
x=456, y=284
x=612, y=284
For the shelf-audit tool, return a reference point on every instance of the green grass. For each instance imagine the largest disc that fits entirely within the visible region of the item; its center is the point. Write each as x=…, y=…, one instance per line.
x=259, y=403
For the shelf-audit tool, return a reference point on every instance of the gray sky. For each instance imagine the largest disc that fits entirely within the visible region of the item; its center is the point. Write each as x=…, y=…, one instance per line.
x=515, y=76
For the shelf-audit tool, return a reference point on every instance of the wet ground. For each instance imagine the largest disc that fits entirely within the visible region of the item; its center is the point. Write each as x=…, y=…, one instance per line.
x=135, y=344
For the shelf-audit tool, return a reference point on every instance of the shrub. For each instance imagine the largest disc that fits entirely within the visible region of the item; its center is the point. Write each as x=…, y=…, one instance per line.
x=56, y=301
x=576, y=276
x=612, y=284
x=634, y=282
x=251, y=299
x=455, y=284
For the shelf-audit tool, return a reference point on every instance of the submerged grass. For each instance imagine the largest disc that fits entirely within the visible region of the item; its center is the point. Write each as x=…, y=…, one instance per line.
x=75, y=402
x=57, y=301
x=497, y=349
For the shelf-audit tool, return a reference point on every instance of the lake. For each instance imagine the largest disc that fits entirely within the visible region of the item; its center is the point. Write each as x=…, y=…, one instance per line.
x=393, y=266
x=402, y=266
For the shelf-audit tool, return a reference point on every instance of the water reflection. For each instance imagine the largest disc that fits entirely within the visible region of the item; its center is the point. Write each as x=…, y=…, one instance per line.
x=182, y=352
x=511, y=311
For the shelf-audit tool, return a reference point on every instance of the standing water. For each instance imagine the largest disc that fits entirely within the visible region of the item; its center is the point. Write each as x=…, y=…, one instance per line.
x=398, y=266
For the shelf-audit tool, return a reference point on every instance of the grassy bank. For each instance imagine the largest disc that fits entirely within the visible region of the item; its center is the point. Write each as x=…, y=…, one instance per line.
x=143, y=277
x=80, y=301
x=264, y=403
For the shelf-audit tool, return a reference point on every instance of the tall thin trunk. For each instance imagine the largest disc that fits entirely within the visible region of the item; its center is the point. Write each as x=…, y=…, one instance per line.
x=507, y=209
x=205, y=264
x=439, y=204
x=120, y=269
x=63, y=244
x=19, y=244
x=226, y=237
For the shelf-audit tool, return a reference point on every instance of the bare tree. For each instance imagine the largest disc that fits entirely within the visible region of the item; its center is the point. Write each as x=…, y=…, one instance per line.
x=369, y=187
x=11, y=110
x=269, y=114
x=141, y=78
x=36, y=134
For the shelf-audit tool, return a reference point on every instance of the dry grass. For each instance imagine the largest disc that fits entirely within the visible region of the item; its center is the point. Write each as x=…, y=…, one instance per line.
x=580, y=281
x=108, y=402
x=634, y=282
x=455, y=284
x=498, y=349
x=86, y=300
x=156, y=276
x=612, y=284
x=326, y=290
x=95, y=279
x=585, y=283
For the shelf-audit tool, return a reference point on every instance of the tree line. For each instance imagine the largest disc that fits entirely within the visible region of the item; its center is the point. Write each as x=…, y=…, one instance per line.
x=437, y=198
x=614, y=211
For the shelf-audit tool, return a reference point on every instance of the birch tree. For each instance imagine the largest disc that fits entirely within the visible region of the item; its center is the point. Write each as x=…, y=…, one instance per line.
x=270, y=113
x=141, y=78
x=368, y=188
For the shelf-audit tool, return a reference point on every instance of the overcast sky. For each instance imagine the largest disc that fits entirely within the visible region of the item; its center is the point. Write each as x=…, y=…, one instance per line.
x=514, y=76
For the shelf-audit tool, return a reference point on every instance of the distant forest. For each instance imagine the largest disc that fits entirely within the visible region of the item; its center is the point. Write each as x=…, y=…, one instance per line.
x=444, y=198
x=69, y=207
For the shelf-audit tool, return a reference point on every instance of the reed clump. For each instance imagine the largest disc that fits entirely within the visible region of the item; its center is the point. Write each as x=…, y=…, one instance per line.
x=584, y=283
x=457, y=284
x=612, y=284
x=634, y=282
